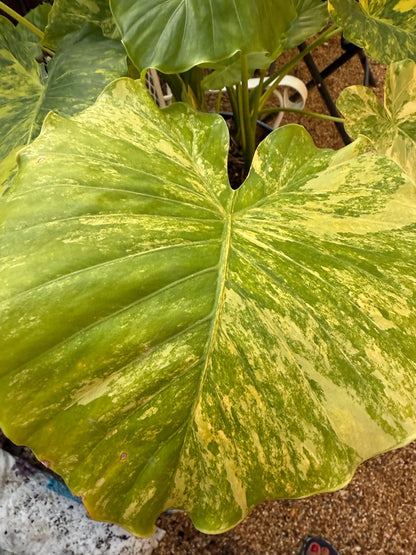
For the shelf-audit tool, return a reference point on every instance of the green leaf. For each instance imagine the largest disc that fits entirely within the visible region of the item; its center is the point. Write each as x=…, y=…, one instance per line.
x=391, y=128
x=68, y=16
x=28, y=92
x=169, y=342
x=175, y=36
x=384, y=28
x=39, y=17
x=311, y=17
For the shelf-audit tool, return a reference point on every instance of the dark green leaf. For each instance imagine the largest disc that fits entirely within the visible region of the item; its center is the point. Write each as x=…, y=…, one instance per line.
x=39, y=18
x=175, y=36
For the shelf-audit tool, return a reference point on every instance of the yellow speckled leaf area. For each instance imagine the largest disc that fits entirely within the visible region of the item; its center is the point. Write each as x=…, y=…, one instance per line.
x=29, y=90
x=392, y=127
x=170, y=343
x=384, y=28
x=68, y=16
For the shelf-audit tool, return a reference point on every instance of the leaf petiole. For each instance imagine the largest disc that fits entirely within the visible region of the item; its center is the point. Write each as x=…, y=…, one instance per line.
x=12, y=13
x=301, y=113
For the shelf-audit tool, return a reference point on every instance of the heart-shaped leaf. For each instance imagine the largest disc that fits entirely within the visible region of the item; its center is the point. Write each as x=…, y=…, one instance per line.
x=169, y=342
x=28, y=91
x=391, y=128
x=384, y=28
x=68, y=16
x=175, y=36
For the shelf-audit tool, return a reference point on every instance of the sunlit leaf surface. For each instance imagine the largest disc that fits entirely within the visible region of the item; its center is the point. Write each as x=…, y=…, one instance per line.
x=169, y=342
x=386, y=29
x=391, y=128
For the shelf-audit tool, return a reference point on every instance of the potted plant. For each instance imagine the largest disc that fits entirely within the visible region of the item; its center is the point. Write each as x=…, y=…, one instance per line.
x=167, y=341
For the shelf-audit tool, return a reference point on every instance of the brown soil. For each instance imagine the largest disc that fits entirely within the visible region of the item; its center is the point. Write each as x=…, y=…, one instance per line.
x=376, y=513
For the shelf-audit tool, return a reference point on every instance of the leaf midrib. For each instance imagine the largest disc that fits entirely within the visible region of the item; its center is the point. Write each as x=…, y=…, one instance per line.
x=217, y=309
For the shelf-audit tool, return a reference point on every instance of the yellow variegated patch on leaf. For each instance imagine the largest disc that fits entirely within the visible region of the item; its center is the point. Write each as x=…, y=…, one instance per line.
x=39, y=18
x=169, y=342
x=67, y=16
x=391, y=128
x=386, y=29
x=28, y=90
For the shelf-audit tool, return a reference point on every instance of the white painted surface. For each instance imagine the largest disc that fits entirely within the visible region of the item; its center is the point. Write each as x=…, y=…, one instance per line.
x=39, y=517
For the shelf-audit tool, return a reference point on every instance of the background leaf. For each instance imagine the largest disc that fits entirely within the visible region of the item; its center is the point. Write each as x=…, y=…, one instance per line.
x=174, y=343
x=28, y=90
x=391, y=128
x=175, y=36
x=384, y=28
x=228, y=72
x=39, y=17
x=312, y=15
x=68, y=16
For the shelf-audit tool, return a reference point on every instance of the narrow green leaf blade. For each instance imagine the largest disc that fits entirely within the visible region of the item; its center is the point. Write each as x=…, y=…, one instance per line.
x=384, y=28
x=392, y=128
x=67, y=16
x=178, y=344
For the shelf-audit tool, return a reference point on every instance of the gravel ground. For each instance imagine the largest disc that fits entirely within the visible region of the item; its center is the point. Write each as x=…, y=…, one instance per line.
x=374, y=514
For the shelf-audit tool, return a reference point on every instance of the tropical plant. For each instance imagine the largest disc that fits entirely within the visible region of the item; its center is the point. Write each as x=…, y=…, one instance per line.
x=170, y=342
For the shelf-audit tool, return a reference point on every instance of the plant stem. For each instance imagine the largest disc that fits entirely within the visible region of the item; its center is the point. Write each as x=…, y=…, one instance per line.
x=21, y=20
x=273, y=80
x=232, y=95
x=250, y=128
x=255, y=98
x=302, y=113
x=219, y=97
x=239, y=116
x=26, y=23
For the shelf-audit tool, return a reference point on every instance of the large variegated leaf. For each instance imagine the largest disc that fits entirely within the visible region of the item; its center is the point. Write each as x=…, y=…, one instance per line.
x=68, y=16
x=391, y=128
x=175, y=36
x=28, y=91
x=169, y=342
x=384, y=28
